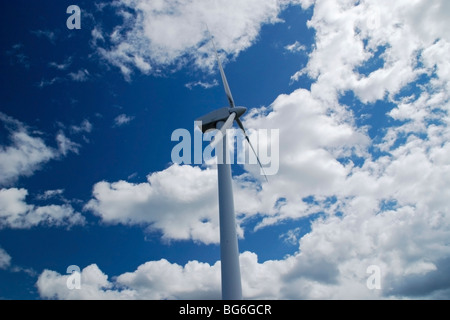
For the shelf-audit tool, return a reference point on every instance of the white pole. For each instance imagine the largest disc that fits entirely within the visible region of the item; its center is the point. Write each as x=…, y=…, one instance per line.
x=229, y=250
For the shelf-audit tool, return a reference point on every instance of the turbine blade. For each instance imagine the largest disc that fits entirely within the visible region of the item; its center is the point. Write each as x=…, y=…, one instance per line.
x=239, y=122
x=227, y=125
x=224, y=77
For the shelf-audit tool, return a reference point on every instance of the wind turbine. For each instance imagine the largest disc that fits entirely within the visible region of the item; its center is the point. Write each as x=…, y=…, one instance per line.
x=222, y=120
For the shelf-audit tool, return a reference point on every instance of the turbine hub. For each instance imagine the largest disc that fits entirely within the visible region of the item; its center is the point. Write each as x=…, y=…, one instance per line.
x=210, y=120
x=238, y=110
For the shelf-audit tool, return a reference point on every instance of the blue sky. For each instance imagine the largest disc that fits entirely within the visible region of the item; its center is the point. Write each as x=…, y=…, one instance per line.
x=358, y=90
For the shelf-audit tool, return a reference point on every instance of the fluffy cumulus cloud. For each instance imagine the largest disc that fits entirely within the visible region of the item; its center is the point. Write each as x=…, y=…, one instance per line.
x=27, y=151
x=24, y=155
x=351, y=33
x=395, y=205
x=94, y=285
x=313, y=140
x=16, y=213
x=179, y=201
x=152, y=280
x=5, y=259
x=122, y=120
x=382, y=197
x=275, y=279
x=156, y=34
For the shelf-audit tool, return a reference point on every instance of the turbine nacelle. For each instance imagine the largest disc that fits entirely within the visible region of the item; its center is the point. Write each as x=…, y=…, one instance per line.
x=226, y=115
x=210, y=120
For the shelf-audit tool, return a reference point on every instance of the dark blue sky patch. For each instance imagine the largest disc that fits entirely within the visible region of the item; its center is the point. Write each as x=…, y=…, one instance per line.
x=376, y=62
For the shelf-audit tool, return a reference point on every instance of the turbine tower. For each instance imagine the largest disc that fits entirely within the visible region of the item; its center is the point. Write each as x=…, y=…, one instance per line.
x=222, y=120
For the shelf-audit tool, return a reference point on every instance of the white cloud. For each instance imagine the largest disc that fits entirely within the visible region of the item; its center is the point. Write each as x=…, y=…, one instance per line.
x=27, y=151
x=164, y=280
x=292, y=236
x=5, y=264
x=332, y=264
x=392, y=201
x=45, y=83
x=276, y=279
x=49, y=194
x=65, y=145
x=94, y=286
x=61, y=66
x=97, y=35
x=155, y=280
x=81, y=75
x=177, y=201
x=5, y=259
x=85, y=126
x=295, y=47
x=348, y=35
x=122, y=119
x=152, y=280
x=390, y=210
x=25, y=155
x=312, y=140
x=15, y=213
x=204, y=85
x=165, y=33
